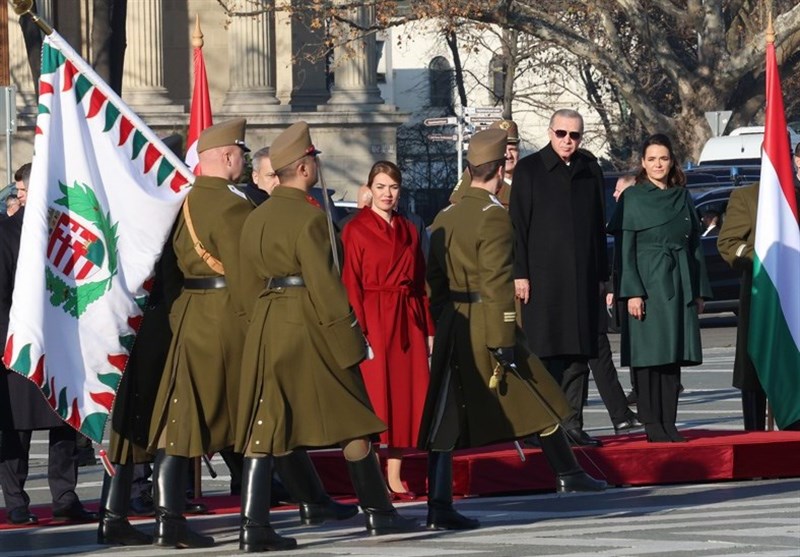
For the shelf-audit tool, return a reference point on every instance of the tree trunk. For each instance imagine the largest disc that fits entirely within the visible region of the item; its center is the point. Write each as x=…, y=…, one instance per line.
x=452, y=43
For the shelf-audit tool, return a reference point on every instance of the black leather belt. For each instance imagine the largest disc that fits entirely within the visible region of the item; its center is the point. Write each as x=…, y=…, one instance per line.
x=465, y=297
x=285, y=282
x=205, y=283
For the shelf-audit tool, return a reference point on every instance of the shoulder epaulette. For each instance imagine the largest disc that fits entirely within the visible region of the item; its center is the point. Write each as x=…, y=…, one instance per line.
x=237, y=191
x=495, y=203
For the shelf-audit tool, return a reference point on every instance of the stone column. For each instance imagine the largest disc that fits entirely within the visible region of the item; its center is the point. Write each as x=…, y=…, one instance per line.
x=251, y=57
x=355, y=67
x=143, y=78
x=302, y=78
x=45, y=9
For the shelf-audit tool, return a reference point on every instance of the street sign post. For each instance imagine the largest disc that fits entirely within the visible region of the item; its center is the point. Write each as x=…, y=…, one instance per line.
x=442, y=137
x=8, y=122
x=483, y=110
x=448, y=121
x=718, y=120
x=473, y=119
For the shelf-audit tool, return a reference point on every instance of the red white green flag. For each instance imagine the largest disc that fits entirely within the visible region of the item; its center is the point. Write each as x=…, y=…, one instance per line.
x=200, y=111
x=103, y=194
x=774, y=337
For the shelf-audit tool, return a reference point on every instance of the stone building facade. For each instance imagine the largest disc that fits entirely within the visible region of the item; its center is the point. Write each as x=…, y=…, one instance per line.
x=261, y=67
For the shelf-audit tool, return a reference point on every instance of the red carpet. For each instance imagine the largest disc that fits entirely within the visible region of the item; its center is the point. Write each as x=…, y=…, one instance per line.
x=624, y=460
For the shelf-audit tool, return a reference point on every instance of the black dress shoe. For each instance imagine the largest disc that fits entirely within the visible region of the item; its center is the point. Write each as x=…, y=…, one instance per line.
x=380, y=523
x=579, y=437
x=656, y=434
x=673, y=434
x=74, y=513
x=631, y=423
x=21, y=515
x=579, y=481
x=449, y=519
x=196, y=507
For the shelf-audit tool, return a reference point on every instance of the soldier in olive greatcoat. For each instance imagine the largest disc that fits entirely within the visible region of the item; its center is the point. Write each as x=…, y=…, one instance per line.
x=193, y=412
x=486, y=386
x=300, y=385
x=736, y=243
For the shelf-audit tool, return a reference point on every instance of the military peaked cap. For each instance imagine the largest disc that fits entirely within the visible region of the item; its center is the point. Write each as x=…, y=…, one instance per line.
x=291, y=145
x=487, y=146
x=230, y=132
x=510, y=126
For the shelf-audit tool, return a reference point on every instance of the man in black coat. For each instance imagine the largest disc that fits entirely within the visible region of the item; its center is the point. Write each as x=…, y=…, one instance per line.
x=556, y=208
x=24, y=409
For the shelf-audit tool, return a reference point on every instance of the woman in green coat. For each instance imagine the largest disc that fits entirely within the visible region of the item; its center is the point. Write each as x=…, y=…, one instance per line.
x=663, y=281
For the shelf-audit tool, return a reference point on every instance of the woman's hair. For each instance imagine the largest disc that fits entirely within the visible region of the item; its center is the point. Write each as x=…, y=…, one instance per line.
x=676, y=178
x=385, y=167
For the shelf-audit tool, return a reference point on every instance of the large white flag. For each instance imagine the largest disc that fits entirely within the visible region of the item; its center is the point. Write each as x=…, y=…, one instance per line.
x=103, y=194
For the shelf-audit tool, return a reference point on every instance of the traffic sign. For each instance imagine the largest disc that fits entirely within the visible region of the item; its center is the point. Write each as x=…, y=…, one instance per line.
x=481, y=121
x=718, y=120
x=442, y=137
x=484, y=110
x=449, y=121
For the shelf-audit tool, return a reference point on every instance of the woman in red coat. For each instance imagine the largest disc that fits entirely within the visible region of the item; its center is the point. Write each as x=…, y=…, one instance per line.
x=384, y=273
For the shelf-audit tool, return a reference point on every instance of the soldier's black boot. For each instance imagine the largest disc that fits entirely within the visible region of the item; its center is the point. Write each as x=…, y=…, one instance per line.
x=301, y=480
x=441, y=514
x=255, y=532
x=169, y=483
x=569, y=474
x=373, y=496
x=114, y=527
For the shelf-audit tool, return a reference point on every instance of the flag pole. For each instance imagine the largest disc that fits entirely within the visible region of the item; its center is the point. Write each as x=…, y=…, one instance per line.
x=22, y=7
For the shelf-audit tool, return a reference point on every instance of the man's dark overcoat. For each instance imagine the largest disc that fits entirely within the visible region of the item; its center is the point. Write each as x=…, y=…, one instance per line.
x=133, y=405
x=22, y=404
x=560, y=247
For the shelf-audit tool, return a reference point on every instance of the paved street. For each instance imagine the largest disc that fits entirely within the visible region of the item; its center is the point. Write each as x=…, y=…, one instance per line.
x=735, y=518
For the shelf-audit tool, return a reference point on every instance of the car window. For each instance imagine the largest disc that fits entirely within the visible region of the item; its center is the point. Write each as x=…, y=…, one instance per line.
x=711, y=215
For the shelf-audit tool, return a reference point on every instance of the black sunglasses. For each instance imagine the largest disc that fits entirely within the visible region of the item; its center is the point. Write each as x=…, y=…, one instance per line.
x=561, y=134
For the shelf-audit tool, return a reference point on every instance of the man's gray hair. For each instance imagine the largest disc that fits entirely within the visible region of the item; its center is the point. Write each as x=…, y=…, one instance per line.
x=258, y=155
x=566, y=113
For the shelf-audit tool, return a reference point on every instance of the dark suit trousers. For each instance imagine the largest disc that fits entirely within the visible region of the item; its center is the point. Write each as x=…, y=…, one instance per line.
x=607, y=381
x=62, y=468
x=754, y=410
x=572, y=374
x=658, y=388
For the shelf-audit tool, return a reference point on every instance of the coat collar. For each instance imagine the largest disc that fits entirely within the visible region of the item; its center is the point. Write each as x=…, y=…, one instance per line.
x=478, y=193
x=288, y=193
x=552, y=161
